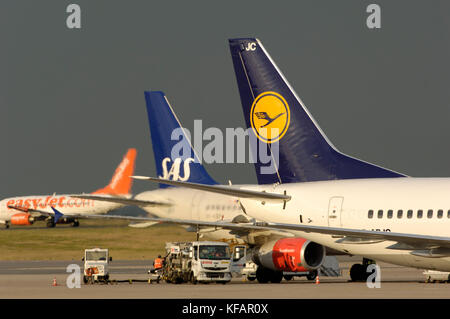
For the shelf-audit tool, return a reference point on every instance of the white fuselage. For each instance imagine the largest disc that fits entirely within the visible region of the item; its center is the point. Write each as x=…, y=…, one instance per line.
x=195, y=205
x=346, y=204
x=64, y=203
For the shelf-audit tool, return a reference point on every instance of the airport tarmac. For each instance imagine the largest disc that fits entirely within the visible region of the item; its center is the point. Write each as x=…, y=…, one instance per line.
x=33, y=279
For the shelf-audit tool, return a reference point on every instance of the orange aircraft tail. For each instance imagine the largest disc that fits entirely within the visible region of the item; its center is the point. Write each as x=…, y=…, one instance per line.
x=121, y=181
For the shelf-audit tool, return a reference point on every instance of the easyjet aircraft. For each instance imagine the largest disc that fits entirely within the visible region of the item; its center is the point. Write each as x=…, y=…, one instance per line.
x=24, y=210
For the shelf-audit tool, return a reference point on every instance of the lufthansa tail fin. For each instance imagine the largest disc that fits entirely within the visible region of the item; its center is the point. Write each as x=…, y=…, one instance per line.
x=269, y=102
x=121, y=181
x=175, y=157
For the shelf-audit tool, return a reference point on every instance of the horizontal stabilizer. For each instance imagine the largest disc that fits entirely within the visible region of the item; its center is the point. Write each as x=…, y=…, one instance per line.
x=222, y=189
x=142, y=225
x=122, y=200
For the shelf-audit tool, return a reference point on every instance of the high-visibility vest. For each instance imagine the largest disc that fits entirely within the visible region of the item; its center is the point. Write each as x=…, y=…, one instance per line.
x=158, y=263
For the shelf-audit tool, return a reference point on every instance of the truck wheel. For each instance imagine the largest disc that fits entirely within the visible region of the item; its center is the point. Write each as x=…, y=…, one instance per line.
x=288, y=277
x=85, y=280
x=250, y=278
x=192, y=278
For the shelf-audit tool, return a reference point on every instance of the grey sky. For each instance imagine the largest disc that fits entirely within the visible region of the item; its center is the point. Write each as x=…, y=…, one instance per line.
x=72, y=101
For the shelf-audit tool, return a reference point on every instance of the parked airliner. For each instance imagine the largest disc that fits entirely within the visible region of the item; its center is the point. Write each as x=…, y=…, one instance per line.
x=25, y=210
x=181, y=203
x=385, y=216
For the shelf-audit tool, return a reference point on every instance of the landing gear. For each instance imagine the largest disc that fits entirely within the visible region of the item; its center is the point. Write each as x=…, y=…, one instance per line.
x=75, y=223
x=51, y=223
x=312, y=275
x=6, y=225
x=265, y=275
x=358, y=272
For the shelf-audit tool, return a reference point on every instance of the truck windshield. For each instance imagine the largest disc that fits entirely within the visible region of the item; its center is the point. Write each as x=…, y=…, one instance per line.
x=96, y=255
x=214, y=252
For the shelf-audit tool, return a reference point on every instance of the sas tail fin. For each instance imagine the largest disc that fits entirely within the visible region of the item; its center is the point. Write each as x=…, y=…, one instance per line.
x=268, y=102
x=121, y=181
x=175, y=157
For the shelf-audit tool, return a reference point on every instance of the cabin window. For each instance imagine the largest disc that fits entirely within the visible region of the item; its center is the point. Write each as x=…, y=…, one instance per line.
x=380, y=213
x=448, y=214
x=430, y=213
x=390, y=213
x=419, y=213
x=400, y=214
x=370, y=215
x=410, y=213
x=440, y=213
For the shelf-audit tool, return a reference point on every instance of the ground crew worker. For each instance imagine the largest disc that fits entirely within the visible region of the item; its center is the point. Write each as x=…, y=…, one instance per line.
x=158, y=263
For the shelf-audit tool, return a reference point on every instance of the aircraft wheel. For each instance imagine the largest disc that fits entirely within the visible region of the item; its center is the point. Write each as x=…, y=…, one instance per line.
x=276, y=277
x=262, y=275
x=50, y=224
x=312, y=275
x=358, y=272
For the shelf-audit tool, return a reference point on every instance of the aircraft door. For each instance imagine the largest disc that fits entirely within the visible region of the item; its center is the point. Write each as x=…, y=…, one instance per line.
x=334, y=211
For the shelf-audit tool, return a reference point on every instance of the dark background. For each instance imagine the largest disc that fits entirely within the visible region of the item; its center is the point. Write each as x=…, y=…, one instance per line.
x=72, y=101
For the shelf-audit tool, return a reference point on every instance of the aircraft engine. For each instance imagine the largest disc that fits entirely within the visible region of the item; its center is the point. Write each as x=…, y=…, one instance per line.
x=290, y=254
x=22, y=219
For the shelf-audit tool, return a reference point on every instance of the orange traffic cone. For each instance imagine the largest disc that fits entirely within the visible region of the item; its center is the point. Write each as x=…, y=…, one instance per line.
x=317, y=280
x=54, y=282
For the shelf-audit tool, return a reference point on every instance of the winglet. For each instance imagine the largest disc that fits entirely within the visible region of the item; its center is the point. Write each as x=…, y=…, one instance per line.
x=58, y=214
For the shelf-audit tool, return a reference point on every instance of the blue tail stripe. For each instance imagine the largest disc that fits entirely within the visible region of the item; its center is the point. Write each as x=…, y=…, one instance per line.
x=163, y=122
x=305, y=154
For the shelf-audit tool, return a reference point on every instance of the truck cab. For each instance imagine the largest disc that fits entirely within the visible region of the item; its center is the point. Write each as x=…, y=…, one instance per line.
x=210, y=261
x=96, y=261
x=242, y=264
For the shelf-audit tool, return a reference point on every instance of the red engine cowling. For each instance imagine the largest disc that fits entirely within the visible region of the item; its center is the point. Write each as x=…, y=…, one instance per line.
x=22, y=219
x=290, y=254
